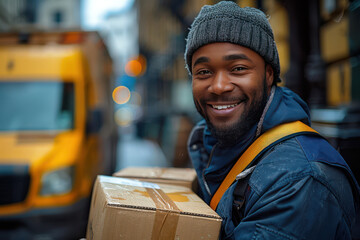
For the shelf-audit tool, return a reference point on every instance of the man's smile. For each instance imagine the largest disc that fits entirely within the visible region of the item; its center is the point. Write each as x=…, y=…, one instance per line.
x=223, y=109
x=220, y=107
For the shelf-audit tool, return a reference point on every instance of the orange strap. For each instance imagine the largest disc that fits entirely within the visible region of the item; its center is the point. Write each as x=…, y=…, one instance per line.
x=269, y=137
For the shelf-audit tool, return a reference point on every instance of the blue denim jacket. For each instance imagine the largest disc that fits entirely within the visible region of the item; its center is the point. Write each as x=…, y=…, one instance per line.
x=300, y=189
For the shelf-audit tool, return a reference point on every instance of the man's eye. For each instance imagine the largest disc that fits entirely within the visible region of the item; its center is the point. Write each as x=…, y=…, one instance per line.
x=238, y=69
x=202, y=72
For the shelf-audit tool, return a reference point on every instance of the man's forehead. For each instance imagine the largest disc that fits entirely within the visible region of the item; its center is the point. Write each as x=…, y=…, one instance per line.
x=224, y=50
x=230, y=57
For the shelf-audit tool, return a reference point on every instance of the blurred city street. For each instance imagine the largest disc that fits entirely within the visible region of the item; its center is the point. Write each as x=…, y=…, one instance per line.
x=91, y=87
x=151, y=155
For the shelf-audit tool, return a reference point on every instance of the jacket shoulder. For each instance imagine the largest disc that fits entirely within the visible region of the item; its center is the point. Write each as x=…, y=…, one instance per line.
x=279, y=163
x=303, y=157
x=297, y=157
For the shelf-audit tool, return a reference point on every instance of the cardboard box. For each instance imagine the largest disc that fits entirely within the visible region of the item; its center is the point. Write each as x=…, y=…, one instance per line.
x=124, y=208
x=175, y=176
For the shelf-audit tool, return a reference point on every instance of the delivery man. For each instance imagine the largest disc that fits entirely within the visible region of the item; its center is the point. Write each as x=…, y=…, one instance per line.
x=259, y=164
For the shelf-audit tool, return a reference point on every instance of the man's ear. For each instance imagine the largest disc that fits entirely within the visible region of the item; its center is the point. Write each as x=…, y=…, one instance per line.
x=269, y=75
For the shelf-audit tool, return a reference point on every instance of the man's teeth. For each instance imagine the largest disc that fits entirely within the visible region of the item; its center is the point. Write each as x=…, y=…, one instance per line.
x=219, y=107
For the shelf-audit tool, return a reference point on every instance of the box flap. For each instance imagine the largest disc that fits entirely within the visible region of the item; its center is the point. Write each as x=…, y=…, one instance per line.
x=123, y=192
x=181, y=174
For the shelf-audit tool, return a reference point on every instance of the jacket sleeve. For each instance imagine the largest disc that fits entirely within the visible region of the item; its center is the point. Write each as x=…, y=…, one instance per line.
x=298, y=208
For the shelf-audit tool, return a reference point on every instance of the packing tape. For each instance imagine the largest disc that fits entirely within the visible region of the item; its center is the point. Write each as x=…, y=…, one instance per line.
x=166, y=216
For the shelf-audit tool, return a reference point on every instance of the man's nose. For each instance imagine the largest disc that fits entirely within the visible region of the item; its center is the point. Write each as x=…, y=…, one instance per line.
x=221, y=83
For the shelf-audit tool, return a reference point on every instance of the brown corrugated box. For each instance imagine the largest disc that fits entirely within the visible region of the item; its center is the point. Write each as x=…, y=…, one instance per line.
x=175, y=176
x=124, y=208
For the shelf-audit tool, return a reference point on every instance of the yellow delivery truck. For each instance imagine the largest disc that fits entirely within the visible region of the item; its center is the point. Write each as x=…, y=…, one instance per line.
x=57, y=131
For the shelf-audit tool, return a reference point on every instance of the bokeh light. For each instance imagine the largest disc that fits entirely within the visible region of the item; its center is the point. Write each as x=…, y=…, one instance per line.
x=121, y=95
x=124, y=116
x=136, y=67
x=133, y=68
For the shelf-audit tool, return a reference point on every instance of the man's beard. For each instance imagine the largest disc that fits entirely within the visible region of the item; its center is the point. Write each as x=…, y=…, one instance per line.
x=232, y=134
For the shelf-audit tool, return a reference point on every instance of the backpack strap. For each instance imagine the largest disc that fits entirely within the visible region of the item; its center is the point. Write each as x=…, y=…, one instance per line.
x=261, y=144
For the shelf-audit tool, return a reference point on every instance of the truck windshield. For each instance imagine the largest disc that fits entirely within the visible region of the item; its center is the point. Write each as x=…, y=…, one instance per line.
x=36, y=106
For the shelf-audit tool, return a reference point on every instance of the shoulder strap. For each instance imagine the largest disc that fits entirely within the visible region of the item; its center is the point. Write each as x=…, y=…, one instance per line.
x=267, y=139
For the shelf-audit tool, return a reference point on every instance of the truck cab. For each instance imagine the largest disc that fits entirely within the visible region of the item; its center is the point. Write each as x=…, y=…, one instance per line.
x=57, y=131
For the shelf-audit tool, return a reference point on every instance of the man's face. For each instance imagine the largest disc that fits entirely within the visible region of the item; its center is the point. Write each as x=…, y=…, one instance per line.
x=230, y=87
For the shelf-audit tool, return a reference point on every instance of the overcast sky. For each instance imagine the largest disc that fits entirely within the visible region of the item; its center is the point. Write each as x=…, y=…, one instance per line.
x=94, y=11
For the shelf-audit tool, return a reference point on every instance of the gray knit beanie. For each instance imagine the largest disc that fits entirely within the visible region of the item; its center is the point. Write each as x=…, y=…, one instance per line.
x=228, y=22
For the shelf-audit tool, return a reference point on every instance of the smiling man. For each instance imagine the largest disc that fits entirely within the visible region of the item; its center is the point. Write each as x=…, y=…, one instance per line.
x=230, y=85
x=259, y=164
